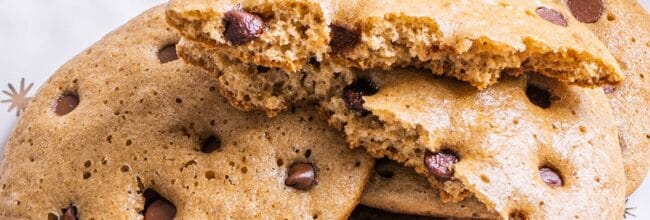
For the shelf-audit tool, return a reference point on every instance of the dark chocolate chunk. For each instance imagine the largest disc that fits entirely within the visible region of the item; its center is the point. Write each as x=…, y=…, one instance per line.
x=550, y=177
x=552, y=16
x=70, y=213
x=353, y=94
x=167, y=53
x=587, y=11
x=160, y=210
x=301, y=176
x=65, y=104
x=242, y=27
x=343, y=39
x=538, y=96
x=441, y=164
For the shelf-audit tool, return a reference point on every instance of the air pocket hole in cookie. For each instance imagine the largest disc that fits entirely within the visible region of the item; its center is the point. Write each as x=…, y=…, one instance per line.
x=382, y=168
x=551, y=177
x=211, y=144
x=538, y=96
x=157, y=207
x=65, y=103
x=167, y=53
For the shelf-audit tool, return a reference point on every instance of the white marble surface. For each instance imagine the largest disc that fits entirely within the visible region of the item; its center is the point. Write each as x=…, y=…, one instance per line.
x=38, y=36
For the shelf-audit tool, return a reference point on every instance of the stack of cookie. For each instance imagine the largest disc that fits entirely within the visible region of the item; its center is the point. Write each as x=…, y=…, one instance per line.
x=278, y=109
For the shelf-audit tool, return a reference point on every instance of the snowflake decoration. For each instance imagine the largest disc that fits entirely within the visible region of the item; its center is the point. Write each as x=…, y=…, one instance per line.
x=628, y=210
x=18, y=99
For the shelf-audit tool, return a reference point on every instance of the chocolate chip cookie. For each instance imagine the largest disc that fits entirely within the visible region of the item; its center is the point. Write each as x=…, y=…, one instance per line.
x=527, y=147
x=398, y=189
x=623, y=27
x=126, y=130
x=474, y=41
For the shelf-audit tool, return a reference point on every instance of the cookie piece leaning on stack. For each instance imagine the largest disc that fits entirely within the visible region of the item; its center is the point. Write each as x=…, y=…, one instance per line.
x=306, y=41
x=125, y=131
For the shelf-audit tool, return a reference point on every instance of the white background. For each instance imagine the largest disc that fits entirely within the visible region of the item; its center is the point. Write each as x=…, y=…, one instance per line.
x=38, y=36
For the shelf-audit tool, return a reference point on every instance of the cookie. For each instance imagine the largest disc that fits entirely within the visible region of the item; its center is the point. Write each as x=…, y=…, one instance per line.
x=528, y=147
x=623, y=27
x=126, y=130
x=250, y=87
x=474, y=41
x=398, y=189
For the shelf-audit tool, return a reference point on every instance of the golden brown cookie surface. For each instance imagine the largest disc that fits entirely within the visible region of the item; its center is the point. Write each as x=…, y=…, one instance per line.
x=455, y=38
x=529, y=146
x=126, y=130
x=624, y=27
x=398, y=189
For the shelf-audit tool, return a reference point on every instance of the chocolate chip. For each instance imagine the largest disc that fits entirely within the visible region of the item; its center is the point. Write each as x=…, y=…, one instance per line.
x=550, y=177
x=343, y=39
x=157, y=207
x=609, y=89
x=587, y=11
x=160, y=210
x=382, y=168
x=353, y=94
x=65, y=104
x=518, y=215
x=552, y=16
x=440, y=164
x=301, y=176
x=211, y=144
x=69, y=213
x=167, y=53
x=538, y=96
x=242, y=27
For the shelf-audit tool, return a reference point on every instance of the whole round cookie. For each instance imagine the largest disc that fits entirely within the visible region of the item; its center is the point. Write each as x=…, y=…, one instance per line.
x=125, y=130
x=624, y=27
x=475, y=41
x=527, y=147
x=398, y=189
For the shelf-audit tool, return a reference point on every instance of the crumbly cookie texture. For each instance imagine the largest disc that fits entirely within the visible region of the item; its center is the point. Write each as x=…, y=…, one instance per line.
x=527, y=147
x=474, y=41
x=250, y=87
x=126, y=130
x=623, y=27
x=399, y=189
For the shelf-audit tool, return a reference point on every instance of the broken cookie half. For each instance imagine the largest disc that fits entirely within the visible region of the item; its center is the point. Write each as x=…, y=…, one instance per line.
x=527, y=147
x=474, y=41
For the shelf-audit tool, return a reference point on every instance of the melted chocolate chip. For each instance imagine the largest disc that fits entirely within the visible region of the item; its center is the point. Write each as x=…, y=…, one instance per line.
x=301, y=176
x=609, y=89
x=160, y=210
x=353, y=94
x=65, y=104
x=343, y=39
x=69, y=213
x=587, y=11
x=440, y=164
x=538, y=96
x=211, y=144
x=550, y=177
x=167, y=53
x=552, y=16
x=242, y=27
